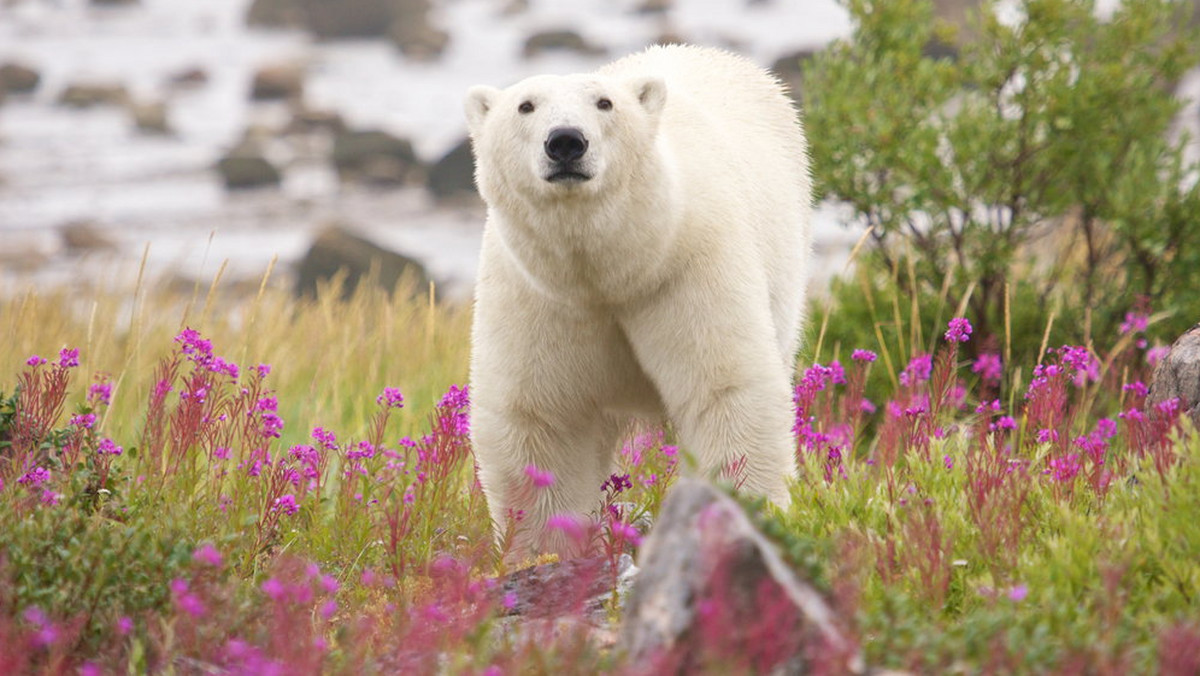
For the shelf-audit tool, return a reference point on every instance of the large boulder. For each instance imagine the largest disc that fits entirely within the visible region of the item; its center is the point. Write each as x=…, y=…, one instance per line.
x=375, y=157
x=337, y=251
x=714, y=592
x=1177, y=376
x=452, y=178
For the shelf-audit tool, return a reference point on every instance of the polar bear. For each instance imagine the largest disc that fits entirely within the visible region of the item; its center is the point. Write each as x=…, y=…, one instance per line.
x=645, y=256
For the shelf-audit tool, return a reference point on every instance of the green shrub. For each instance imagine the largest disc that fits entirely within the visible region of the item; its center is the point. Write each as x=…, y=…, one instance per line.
x=1041, y=155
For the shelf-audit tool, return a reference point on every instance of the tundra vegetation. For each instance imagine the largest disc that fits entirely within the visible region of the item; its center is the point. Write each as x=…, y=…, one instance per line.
x=267, y=485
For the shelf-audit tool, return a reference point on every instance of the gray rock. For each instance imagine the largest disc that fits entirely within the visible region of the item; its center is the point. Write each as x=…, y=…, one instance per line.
x=581, y=587
x=713, y=591
x=418, y=39
x=281, y=81
x=452, y=178
x=559, y=40
x=18, y=78
x=88, y=94
x=275, y=14
x=1178, y=375
x=654, y=7
x=151, y=118
x=246, y=167
x=308, y=120
x=374, y=156
x=188, y=78
x=85, y=236
x=338, y=251
x=347, y=18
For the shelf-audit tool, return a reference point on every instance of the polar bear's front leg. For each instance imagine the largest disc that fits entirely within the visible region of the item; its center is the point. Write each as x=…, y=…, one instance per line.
x=537, y=464
x=710, y=349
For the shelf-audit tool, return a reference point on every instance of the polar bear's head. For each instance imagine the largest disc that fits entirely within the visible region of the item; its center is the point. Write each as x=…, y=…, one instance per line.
x=550, y=137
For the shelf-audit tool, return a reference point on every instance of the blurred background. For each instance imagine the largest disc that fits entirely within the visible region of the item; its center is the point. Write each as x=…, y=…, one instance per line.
x=203, y=133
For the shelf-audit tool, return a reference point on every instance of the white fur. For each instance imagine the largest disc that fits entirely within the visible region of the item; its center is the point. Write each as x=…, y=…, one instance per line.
x=670, y=283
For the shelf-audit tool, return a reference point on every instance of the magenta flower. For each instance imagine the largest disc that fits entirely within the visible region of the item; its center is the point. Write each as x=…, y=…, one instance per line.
x=363, y=450
x=68, y=358
x=100, y=394
x=83, y=420
x=124, y=625
x=541, y=479
x=330, y=584
x=287, y=504
x=1018, y=593
x=274, y=589
x=35, y=477
x=616, y=483
x=456, y=397
x=625, y=532
x=918, y=370
x=1006, y=422
x=47, y=633
x=1135, y=322
x=208, y=554
x=1157, y=354
x=989, y=368
x=272, y=425
x=107, y=447
x=391, y=398
x=35, y=361
x=958, y=330
x=1065, y=468
x=864, y=355
x=572, y=526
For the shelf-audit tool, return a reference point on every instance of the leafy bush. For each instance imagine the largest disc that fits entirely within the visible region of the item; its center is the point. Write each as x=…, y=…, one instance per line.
x=1041, y=155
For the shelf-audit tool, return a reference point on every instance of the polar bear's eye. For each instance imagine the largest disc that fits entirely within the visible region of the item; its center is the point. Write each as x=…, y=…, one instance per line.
x=525, y=108
x=604, y=104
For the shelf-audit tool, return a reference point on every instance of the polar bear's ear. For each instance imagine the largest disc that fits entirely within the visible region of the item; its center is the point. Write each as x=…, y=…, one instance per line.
x=651, y=92
x=479, y=101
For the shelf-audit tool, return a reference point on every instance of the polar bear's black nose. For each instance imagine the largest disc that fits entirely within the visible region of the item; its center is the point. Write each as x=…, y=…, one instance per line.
x=565, y=144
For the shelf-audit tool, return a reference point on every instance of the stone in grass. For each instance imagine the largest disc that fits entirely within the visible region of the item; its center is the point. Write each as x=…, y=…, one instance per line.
x=1178, y=376
x=565, y=596
x=337, y=252
x=714, y=591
